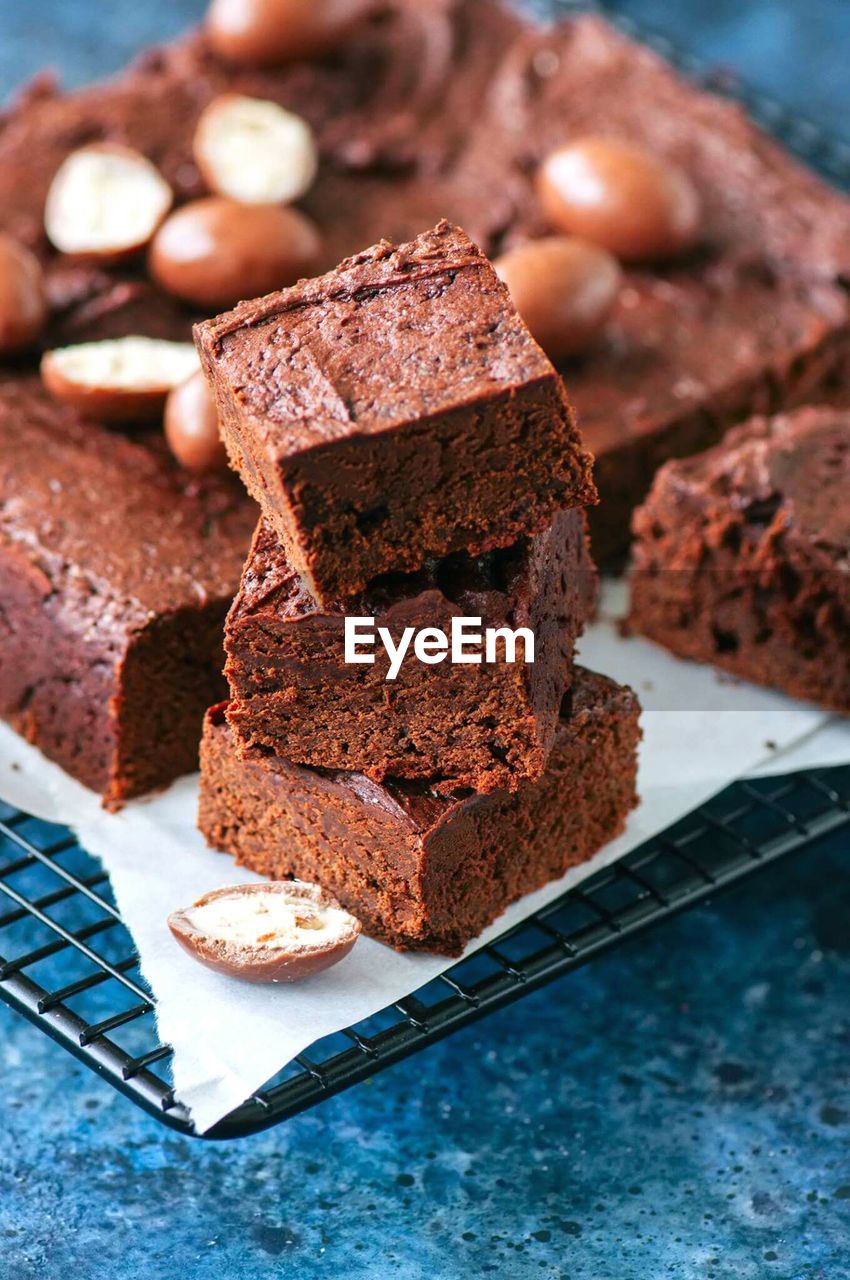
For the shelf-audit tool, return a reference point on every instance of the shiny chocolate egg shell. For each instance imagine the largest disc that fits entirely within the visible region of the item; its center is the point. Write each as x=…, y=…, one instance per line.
x=215, y=251
x=279, y=931
x=191, y=426
x=621, y=197
x=564, y=288
x=263, y=33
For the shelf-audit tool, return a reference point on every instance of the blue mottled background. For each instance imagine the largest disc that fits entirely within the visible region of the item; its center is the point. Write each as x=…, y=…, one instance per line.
x=680, y=1109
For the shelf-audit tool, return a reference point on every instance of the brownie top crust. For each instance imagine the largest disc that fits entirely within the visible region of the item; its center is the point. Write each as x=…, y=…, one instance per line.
x=765, y=279
x=683, y=342
x=583, y=77
x=396, y=96
x=445, y=108
x=434, y=108
x=389, y=111
x=393, y=335
x=791, y=471
x=450, y=106
x=421, y=805
x=115, y=515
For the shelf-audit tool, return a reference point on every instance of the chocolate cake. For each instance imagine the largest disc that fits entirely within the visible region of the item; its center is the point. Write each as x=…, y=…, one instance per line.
x=393, y=410
x=742, y=556
x=483, y=726
x=116, y=572
x=425, y=869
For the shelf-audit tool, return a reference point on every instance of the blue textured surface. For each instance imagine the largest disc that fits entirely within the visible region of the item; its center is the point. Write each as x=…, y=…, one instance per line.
x=681, y=1108
x=793, y=49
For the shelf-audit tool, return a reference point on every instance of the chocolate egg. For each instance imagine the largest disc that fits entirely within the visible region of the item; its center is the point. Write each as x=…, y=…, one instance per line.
x=191, y=426
x=23, y=304
x=620, y=196
x=105, y=202
x=253, y=151
x=564, y=289
x=214, y=251
x=278, y=931
x=265, y=33
x=118, y=380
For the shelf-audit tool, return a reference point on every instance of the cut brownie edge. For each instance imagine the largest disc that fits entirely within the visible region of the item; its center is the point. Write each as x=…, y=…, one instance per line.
x=427, y=870
x=484, y=726
x=172, y=674
x=815, y=370
x=742, y=556
x=116, y=573
x=130, y=730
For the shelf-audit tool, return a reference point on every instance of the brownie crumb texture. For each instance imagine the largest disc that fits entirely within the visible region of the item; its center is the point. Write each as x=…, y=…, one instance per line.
x=484, y=726
x=742, y=556
x=422, y=868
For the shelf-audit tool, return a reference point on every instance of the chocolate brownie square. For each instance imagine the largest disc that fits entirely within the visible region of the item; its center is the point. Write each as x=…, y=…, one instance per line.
x=483, y=725
x=393, y=410
x=426, y=869
x=742, y=556
x=116, y=573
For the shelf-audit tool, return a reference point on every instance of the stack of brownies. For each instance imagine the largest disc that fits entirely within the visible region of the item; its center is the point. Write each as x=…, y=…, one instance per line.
x=110, y=638
x=416, y=461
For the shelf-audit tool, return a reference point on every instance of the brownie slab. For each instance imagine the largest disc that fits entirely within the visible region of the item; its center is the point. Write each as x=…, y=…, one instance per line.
x=482, y=726
x=444, y=108
x=116, y=573
x=742, y=556
x=393, y=410
x=389, y=110
x=754, y=320
x=424, y=869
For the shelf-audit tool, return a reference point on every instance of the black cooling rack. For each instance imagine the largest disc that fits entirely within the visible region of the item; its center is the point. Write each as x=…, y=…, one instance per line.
x=67, y=961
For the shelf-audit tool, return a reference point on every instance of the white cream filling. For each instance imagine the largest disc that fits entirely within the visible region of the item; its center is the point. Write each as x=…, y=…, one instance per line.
x=127, y=364
x=104, y=200
x=255, y=151
x=270, y=921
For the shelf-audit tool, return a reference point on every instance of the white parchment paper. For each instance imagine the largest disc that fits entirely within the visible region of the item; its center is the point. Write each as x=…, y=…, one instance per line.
x=701, y=731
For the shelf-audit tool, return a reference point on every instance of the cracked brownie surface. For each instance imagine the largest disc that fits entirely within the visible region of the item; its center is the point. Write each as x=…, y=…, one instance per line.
x=393, y=410
x=445, y=108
